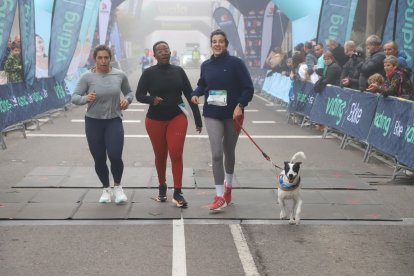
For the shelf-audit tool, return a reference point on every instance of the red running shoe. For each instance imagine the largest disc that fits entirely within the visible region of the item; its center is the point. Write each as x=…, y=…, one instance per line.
x=218, y=203
x=227, y=193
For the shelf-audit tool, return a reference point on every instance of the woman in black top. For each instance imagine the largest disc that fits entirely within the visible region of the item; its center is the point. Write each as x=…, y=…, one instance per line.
x=161, y=86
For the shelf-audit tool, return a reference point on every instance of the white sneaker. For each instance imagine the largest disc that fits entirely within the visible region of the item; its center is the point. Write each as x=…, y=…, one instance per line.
x=120, y=196
x=106, y=196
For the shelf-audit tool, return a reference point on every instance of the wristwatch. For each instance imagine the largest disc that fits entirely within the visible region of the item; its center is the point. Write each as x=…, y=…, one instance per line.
x=240, y=105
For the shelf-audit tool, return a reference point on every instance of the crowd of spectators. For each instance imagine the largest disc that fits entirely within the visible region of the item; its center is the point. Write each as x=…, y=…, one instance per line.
x=383, y=69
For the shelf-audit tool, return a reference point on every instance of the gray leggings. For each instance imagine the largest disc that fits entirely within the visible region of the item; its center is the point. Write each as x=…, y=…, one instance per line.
x=223, y=139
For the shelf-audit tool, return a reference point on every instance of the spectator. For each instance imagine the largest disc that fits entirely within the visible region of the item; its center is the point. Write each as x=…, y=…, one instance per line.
x=391, y=48
x=377, y=79
x=297, y=59
x=351, y=69
x=174, y=59
x=310, y=58
x=374, y=63
x=276, y=61
x=319, y=53
x=13, y=65
x=333, y=70
x=337, y=51
x=397, y=80
x=146, y=60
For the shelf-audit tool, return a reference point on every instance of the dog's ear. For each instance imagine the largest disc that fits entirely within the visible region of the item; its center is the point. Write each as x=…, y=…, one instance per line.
x=296, y=166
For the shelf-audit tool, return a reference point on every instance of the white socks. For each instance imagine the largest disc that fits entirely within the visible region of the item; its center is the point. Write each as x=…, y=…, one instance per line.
x=220, y=190
x=228, y=179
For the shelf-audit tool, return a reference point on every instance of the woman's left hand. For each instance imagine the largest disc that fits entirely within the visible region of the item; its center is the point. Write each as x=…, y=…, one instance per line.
x=124, y=104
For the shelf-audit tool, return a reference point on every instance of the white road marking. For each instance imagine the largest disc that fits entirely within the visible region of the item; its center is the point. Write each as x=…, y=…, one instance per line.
x=245, y=256
x=263, y=99
x=124, y=121
x=263, y=122
x=251, y=110
x=280, y=110
x=137, y=104
x=242, y=136
x=134, y=110
x=179, y=264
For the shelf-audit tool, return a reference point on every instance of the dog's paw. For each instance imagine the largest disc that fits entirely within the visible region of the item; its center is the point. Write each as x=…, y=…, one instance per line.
x=282, y=215
x=291, y=222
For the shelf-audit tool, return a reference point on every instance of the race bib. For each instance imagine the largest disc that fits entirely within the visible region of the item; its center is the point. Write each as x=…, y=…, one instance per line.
x=217, y=97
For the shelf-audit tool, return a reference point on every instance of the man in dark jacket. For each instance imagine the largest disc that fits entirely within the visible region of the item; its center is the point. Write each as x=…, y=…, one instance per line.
x=338, y=52
x=374, y=63
x=351, y=69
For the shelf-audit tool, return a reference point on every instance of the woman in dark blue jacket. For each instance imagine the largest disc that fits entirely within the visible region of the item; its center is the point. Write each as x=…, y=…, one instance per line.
x=227, y=87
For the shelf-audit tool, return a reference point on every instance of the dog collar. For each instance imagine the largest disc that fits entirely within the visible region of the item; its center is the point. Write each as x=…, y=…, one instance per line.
x=286, y=187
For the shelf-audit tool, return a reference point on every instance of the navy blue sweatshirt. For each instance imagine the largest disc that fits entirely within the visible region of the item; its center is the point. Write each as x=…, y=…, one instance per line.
x=224, y=72
x=168, y=82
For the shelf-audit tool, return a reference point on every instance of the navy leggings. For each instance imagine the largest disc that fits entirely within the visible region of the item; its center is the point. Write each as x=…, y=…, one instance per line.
x=106, y=136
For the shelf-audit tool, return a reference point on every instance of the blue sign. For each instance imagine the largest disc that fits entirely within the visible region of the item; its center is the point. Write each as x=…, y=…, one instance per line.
x=66, y=25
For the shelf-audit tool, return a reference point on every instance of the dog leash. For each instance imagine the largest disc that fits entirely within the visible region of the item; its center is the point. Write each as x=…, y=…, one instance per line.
x=257, y=146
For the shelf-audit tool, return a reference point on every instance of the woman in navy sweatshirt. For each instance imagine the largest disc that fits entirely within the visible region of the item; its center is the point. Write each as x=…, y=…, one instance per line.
x=227, y=87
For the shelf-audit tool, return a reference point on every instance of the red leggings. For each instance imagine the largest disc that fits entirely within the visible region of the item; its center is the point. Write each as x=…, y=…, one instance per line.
x=167, y=137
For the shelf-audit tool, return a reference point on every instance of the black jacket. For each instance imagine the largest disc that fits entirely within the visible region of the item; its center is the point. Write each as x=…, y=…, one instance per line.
x=351, y=70
x=373, y=64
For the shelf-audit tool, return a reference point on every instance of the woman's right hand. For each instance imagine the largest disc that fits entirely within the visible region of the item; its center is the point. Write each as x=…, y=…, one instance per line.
x=157, y=101
x=194, y=100
x=91, y=97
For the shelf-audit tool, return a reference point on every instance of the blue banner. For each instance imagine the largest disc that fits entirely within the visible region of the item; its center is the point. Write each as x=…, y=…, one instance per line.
x=335, y=21
x=302, y=97
x=358, y=117
x=27, y=39
x=19, y=103
x=66, y=24
x=226, y=22
x=404, y=35
x=7, y=12
x=387, y=129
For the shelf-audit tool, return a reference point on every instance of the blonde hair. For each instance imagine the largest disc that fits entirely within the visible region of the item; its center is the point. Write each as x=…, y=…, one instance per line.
x=376, y=78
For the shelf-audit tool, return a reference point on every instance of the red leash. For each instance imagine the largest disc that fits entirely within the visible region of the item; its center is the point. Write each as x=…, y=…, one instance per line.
x=257, y=146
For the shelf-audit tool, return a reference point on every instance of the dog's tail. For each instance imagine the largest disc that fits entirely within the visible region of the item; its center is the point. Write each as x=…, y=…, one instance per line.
x=296, y=155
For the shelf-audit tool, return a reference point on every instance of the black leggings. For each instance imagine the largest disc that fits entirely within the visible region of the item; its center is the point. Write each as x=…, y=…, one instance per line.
x=106, y=136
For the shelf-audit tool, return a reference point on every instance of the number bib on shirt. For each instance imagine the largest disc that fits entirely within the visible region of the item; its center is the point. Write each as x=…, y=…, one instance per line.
x=217, y=97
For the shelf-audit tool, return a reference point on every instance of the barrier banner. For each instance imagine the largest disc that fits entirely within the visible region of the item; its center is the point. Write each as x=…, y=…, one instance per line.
x=330, y=106
x=8, y=10
x=387, y=129
x=66, y=24
x=279, y=86
x=226, y=22
x=27, y=39
x=19, y=103
x=302, y=98
x=405, y=153
x=258, y=77
x=359, y=114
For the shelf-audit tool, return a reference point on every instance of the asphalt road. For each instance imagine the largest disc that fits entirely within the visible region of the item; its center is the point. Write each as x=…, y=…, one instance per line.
x=206, y=247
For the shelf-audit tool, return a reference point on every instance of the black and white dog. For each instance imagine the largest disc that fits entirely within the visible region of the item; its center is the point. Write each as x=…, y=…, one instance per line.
x=289, y=188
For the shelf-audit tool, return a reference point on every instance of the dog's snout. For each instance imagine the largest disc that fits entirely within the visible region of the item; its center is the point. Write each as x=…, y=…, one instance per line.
x=290, y=175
